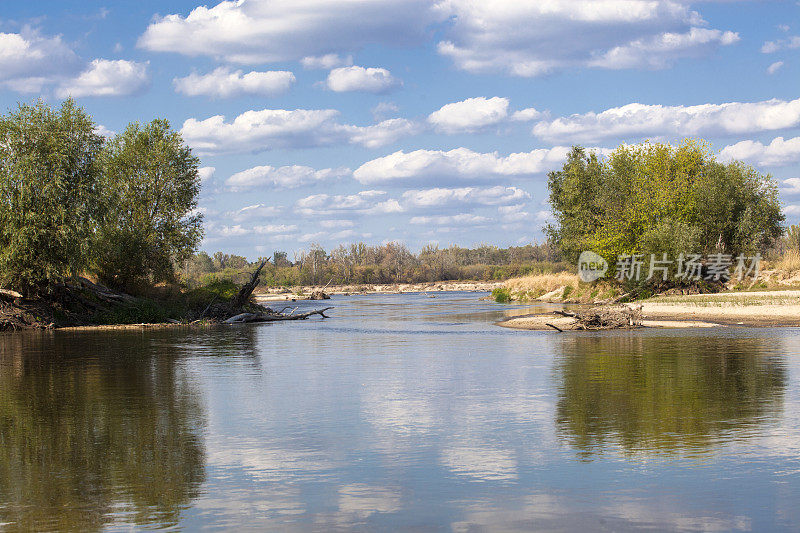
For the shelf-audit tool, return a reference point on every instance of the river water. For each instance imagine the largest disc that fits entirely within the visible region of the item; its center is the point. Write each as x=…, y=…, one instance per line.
x=401, y=412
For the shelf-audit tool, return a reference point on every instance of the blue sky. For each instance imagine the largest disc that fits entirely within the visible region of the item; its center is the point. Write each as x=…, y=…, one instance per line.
x=415, y=121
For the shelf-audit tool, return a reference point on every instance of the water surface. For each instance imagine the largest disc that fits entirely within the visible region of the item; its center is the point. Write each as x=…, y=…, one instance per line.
x=401, y=412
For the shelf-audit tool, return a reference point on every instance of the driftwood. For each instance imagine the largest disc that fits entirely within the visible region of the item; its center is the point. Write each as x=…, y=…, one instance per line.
x=247, y=289
x=244, y=318
x=9, y=294
x=605, y=317
x=554, y=327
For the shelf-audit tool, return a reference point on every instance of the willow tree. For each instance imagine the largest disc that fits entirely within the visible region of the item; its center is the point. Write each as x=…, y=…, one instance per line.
x=150, y=186
x=658, y=198
x=49, y=176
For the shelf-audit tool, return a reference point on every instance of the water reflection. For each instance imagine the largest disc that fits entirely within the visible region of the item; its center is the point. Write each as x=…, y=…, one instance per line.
x=94, y=426
x=677, y=393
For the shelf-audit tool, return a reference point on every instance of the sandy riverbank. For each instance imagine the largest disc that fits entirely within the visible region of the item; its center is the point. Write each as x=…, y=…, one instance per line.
x=742, y=309
x=304, y=293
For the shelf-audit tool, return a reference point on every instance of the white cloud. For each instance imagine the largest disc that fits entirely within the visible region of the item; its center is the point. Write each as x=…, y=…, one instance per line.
x=268, y=129
x=107, y=77
x=534, y=38
x=792, y=209
x=101, y=130
x=364, y=202
x=206, y=173
x=336, y=224
x=288, y=177
x=326, y=62
x=526, y=115
x=254, y=212
x=464, y=197
x=463, y=219
x=777, y=153
x=638, y=120
x=355, y=78
x=265, y=31
x=791, y=186
x=384, y=110
x=659, y=51
x=460, y=164
x=773, y=68
x=771, y=47
x=275, y=228
x=28, y=60
x=470, y=115
x=225, y=83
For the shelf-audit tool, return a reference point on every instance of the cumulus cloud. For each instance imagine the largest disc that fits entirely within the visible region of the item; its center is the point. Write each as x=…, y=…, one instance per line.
x=225, y=83
x=29, y=60
x=107, y=77
x=470, y=115
x=101, y=130
x=779, y=152
x=264, y=31
x=268, y=129
x=464, y=219
x=355, y=78
x=326, y=62
x=638, y=120
x=287, y=177
x=534, y=38
x=206, y=173
x=458, y=165
x=364, y=203
x=463, y=197
x=526, y=115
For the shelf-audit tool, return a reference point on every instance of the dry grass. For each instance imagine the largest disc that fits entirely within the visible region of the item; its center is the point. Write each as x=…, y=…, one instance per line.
x=789, y=262
x=539, y=284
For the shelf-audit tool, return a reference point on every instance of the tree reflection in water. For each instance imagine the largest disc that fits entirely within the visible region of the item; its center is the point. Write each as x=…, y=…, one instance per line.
x=665, y=394
x=103, y=428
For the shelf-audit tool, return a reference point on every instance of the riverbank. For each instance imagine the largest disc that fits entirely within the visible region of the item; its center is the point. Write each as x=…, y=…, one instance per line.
x=306, y=292
x=728, y=309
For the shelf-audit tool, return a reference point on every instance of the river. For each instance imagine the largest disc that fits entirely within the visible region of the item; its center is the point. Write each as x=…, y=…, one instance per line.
x=401, y=412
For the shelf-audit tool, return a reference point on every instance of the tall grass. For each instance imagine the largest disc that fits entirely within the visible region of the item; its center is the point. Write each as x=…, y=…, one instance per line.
x=538, y=284
x=789, y=262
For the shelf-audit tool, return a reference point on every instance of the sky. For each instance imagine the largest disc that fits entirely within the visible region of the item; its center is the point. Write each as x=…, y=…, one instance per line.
x=330, y=122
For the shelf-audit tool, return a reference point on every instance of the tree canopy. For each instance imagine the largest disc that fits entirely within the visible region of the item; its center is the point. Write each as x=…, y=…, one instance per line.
x=659, y=198
x=150, y=186
x=49, y=196
x=70, y=202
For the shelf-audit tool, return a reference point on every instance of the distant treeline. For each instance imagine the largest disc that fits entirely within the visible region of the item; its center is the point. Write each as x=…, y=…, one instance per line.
x=359, y=263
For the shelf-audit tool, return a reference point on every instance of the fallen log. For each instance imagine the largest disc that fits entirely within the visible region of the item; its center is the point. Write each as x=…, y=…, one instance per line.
x=246, y=318
x=10, y=294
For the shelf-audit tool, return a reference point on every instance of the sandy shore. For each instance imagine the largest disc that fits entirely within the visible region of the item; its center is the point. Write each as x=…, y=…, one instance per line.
x=743, y=309
x=304, y=293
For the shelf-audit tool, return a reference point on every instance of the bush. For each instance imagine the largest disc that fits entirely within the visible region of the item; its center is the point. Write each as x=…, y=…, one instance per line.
x=501, y=295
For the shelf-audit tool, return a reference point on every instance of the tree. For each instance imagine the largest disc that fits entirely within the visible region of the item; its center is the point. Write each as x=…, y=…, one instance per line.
x=49, y=176
x=658, y=198
x=150, y=189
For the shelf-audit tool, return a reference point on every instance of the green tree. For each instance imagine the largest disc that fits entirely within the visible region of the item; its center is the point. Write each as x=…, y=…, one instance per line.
x=150, y=190
x=657, y=198
x=48, y=193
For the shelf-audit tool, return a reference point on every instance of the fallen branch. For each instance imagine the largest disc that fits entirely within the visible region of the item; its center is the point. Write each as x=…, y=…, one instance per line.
x=554, y=327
